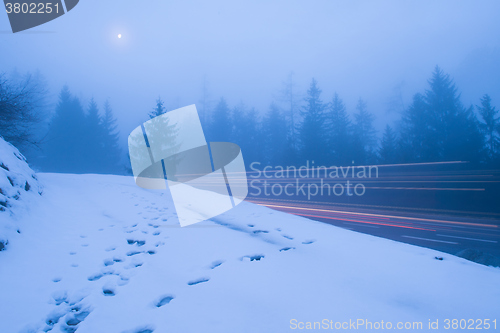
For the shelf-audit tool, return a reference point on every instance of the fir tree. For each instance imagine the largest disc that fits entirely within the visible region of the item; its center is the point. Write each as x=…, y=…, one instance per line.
x=364, y=135
x=93, y=136
x=221, y=127
x=388, y=148
x=436, y=127
x=417, y=142
x=65, y=140
x=312, y=130
x=274, y=133
x=490, y=127
x=290, y=100
x=110, y=141
x=339, y=131
x=158, y=110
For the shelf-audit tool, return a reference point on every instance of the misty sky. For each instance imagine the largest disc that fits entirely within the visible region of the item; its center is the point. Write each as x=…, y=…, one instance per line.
x=246, y=49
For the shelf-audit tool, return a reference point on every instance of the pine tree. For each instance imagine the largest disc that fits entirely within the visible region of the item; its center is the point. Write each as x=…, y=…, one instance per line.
x=158, y=110
x=456, y=131
x=205, y=104
x=417, y=140
x=312, y=130
x=364, y=135
x=221, y=127
x=274, y=133
x=94, y=151
x=65, y=141
x=290, y=101
x=110, y=141
x=239, y=134
x=437, y=127
x=490, y=127
x=162, y=133
x=388, y=148
x=246, y=132
x=339, y=131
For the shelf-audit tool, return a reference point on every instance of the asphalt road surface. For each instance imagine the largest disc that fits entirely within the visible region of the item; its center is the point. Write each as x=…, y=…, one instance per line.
x=444, y=206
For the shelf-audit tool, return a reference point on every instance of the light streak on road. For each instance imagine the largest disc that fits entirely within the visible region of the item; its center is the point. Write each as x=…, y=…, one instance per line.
x=430, y=240
x=380, y=215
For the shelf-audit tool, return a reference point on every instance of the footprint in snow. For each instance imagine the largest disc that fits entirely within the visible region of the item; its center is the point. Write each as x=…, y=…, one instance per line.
x=75, y=318
x=134, y=264
x=108, y=291
x=104, y=271
x=138, y=242
x=198, y=281
x=109, y=262
x=216, y=263
x=163, y=300
x=310, y=241
x=255, y=257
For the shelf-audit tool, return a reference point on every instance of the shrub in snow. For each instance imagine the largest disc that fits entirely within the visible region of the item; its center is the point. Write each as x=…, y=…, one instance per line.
x=18, y=182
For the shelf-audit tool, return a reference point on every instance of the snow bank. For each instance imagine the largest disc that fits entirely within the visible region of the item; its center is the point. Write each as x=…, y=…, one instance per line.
x=103, y=255
x=18, y=184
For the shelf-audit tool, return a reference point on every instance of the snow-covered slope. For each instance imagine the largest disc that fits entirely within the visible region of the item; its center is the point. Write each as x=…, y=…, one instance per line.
x=99, y=254
x=18, y=186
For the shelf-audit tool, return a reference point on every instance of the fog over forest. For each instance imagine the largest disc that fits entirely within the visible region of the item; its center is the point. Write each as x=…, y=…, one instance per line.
x=383, y=52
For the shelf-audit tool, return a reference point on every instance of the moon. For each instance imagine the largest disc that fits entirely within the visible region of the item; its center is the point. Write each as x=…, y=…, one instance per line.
x=119, y=35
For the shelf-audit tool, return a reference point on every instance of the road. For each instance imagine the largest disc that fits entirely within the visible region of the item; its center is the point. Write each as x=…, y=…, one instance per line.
x=449, y=234
x=447, y=207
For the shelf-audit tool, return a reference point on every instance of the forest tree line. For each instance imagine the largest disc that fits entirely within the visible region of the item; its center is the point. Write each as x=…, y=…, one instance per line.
x=436, y=127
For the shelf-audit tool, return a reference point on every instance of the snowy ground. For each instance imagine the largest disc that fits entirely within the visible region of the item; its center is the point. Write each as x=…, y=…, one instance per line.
x=99, y=254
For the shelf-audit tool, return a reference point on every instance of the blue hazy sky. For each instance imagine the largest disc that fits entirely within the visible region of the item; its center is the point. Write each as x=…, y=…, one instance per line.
x=246, y=49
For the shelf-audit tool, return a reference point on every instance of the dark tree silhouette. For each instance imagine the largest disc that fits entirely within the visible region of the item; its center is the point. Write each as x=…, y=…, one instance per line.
x=339, y=126
x=290, y=100
x=158, y=110
x=274, y=133
x=490, y=127
x=364, y=135
x=417, y=142
x=93, y=137
x=388, y=147
x=313, y=136
x=436, y=127
x=110, y=142
x=246, y=132
x=221, y=127
x=65, y=141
